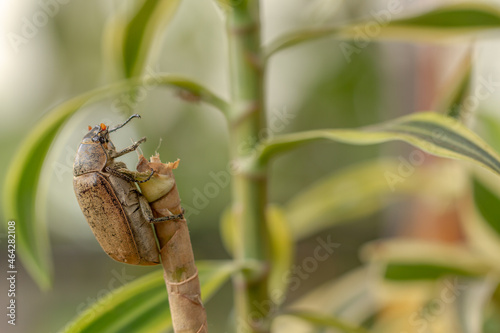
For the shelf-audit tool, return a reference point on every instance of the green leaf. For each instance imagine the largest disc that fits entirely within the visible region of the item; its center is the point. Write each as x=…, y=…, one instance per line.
x=453, y=101
x=478, y=216
x=467, y=15
x=487, y=203
x=401, y=271
x=408, y=260
x=281, y=242
x=434, y=133
x=439, y=23
x=321, y=320
x=142, y=306
x=142, y=31
x=489, y=126
x=22, y=179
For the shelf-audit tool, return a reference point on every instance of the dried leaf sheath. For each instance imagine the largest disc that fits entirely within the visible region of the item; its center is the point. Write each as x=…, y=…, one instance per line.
x=181, y=275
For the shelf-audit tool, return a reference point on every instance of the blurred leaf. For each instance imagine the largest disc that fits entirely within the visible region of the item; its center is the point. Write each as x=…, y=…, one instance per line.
x=141, y=32
x=22, y=178
x=490, y=126
x=405, y=259
x=481, y=219
x=466, y=15
x=321, y=320
x=478, y=216
x=436, y=134
x=401, y=271
x=472, y=299
x=282, y=246
x=439, y=23
x=142, y=306
x=227, y=230
x=488, y=204
x=452, y=102
x=362, y=189
x=347, y=298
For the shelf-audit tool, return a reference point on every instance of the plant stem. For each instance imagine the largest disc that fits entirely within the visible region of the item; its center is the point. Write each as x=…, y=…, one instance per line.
x=181, y=275
x=250, y=182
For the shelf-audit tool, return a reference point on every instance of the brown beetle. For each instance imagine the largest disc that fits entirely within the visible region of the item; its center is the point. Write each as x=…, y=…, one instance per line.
x=116, y=211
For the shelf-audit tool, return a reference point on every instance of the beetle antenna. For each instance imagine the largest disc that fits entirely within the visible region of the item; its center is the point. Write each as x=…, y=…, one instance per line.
x=125, y=123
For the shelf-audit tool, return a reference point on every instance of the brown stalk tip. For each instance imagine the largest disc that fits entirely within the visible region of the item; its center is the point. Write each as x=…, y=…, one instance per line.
x=181, y=275
x=161, y=190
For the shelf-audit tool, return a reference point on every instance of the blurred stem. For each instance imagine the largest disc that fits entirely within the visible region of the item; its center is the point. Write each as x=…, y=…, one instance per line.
x=249, y=183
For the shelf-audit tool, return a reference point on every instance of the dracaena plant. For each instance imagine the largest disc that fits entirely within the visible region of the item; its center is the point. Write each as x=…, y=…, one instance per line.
x=261, y=236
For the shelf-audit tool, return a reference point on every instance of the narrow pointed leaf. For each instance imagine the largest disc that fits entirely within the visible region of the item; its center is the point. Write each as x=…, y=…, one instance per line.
x=437, y=24
x=480, y=216
x=401, y=271
x=142, y=30
x=22, y=178
x=453, y=100
x=434, y=133
x=142, y=306
x=488, y=204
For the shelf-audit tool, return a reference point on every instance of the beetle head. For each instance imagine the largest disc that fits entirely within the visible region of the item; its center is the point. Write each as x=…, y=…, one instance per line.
x=100, y=135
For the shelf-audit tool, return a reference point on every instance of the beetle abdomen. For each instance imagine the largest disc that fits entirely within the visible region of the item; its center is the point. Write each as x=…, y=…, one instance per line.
x=106, y=218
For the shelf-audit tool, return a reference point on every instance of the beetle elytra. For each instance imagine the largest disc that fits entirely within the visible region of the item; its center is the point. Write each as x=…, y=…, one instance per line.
x=116, y=211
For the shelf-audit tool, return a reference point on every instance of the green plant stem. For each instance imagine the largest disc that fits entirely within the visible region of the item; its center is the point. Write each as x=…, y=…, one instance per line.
x=249, y=183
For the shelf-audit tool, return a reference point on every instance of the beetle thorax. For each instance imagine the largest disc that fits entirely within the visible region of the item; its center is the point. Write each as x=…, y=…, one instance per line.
x=91, y=157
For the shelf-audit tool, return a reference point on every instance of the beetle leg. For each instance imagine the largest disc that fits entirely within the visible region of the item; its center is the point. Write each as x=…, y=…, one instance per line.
x=129, y=175
x=128, y=149
x=145, y=180
x=119, y=174
x=148, y=214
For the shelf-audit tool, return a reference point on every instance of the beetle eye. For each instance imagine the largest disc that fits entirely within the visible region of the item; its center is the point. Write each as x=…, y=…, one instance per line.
x=101, y=139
